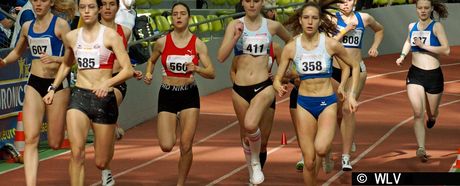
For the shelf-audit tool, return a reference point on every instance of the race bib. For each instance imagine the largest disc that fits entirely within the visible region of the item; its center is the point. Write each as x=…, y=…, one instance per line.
x=352, y=38
x=255, y=45
x=311, y=64
x=177, y=63
x=88, y=59
x=40, y=46
x=424, y=37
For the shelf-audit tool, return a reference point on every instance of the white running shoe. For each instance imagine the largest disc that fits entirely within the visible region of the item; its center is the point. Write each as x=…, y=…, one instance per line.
x=107, y=179
x=346, y=165
x=353, y=147
x=119, y=133
x=257, y=174
x=421, y=153
x=299, y=165
x=328, y=163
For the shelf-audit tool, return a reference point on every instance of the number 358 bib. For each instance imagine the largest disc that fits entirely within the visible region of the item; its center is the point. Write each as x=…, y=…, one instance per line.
x=177, y=63
x=255, y=45
x=311, y=64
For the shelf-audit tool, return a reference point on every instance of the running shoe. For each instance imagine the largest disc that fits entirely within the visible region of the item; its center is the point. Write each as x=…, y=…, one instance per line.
x=353, y=147
x=119, y=133
x=299, y=165
x=257, y=176
x=12, y=152
x=107, y=179
x=346, y=164
x=430, y=123
x=421, y=153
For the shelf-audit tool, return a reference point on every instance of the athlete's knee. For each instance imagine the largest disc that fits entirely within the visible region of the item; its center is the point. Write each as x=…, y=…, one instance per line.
x=309, y=164
x=167, y=147
x=321, y=150
x=418, y=114
x=78, y=155
x=346, y=110
x=101, y=163
x=250, y=125
x=32, y=139
x=185, y=148
x=54, y=144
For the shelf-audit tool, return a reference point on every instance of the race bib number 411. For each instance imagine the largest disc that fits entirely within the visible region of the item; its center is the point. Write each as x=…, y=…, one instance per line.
x=255, y=45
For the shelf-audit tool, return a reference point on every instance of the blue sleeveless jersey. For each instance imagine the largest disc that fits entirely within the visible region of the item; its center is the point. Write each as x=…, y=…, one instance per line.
x=46, y=42
x=426, y=36
x=354, y=38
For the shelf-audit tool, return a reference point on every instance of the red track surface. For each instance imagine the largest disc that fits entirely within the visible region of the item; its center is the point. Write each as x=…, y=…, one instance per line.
x=139, y=161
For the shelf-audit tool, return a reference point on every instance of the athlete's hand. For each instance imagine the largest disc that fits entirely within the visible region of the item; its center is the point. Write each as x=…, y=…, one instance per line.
x=341, y=93
x=400, y=60
x=238, y=29
x=281, y=89
x=352, y=104
x=418, y=42
x=45, y=58
x=101, y=90
x=148, y=78
x=351, y=26
x=137, y=74
x=191, y=67
x=373, y=52
x=48, y=99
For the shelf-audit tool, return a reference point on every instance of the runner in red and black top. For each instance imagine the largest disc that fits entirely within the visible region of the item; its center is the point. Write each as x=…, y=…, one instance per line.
x=108, y=12
x=180, y=53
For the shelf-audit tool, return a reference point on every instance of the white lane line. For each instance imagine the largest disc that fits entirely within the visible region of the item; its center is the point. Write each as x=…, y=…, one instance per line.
x=378, y=142
x=245, y=165
x=177, y=150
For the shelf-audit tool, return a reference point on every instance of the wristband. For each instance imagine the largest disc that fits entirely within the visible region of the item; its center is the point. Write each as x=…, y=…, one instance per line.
x=343, y=31
x=403, y=54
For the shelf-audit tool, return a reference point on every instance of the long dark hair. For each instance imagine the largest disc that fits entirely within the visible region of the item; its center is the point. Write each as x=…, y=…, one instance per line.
x=183, y=4
x=325, y=25
x=438, y=7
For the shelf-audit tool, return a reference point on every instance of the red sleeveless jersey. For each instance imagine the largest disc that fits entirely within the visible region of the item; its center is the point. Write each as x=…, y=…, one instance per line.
x=174, y=59
x=120, y=32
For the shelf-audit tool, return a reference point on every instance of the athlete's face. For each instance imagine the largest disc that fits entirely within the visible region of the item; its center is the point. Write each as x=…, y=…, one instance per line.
x=347, y=6
x=252, y=7
x=310, y=20
x=180, y=16
x=109, y=9
x=424, y=9
x=89, y=11
x=42, y=7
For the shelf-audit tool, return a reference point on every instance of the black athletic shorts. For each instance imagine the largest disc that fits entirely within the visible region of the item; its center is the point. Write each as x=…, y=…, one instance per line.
x=431, y=80
x=174, y=99
x=99, y=110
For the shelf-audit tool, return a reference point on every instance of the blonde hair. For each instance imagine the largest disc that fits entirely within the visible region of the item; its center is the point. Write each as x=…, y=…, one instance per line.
x=66, y=7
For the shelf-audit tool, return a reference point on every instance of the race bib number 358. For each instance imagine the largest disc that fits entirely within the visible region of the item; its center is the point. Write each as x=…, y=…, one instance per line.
x=311, y=64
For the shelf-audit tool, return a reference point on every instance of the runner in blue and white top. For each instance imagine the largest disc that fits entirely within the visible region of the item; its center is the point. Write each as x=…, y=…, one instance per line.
x=351, y=26
x=311, y=54
x=250, y=38
x=425, y=82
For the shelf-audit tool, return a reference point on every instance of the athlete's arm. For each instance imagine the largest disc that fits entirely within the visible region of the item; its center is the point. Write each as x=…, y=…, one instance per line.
x=378, y=36
x=116, y=44
x=232, y=34
x=281, y=31
x=339, y=51
x=286, y=55
x=444, y=49
x=406, y=47
x=127, y=32
x=64, y=68
x=21, y=46
x=208, y=70
x=61, y=29
x=156, y=53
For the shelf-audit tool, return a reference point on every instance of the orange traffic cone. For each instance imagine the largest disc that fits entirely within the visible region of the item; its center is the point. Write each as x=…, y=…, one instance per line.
x=457, y=164
x=65, y=143
x=283, y=139
x=19, y=137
